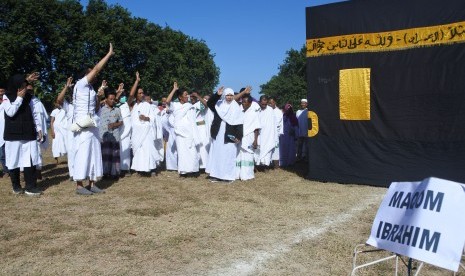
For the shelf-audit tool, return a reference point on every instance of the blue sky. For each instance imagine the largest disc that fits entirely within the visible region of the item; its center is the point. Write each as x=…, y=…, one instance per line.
x=249, y=38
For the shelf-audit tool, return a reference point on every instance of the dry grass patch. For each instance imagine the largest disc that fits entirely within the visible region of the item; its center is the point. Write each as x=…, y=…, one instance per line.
x=277, y=224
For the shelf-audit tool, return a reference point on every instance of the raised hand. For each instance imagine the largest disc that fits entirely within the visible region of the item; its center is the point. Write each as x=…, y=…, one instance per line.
x=137, y=76
x=110, y=51
x=21, y=93
x=69, y=82
x=121, y=87
x=220, y=91
x=101, y=90
x=32, y=77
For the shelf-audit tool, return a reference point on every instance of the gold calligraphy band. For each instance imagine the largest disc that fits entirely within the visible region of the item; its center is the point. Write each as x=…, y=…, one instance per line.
x=387, y=41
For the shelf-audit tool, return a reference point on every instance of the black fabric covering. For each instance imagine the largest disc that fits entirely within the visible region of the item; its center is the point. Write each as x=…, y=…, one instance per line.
x=417, y=126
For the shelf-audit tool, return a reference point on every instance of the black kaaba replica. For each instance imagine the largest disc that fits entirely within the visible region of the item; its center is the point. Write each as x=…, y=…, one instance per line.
x=386, y=91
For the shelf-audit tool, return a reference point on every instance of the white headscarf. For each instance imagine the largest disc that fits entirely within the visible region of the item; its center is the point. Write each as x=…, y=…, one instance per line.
x=231, y=112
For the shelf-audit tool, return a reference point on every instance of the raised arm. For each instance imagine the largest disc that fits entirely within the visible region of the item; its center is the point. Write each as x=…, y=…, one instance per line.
x=220, y=91
x=119, y=91
x=99, y=66
x=201, y=99
x=101, y=90
x=32, y=77
x=214, y=98
x=133, y=90
x=170, y=96
x=245, y=91
x=61, y=97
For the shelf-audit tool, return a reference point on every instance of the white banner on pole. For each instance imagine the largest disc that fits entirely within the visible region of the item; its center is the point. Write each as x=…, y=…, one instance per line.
x=422, y=220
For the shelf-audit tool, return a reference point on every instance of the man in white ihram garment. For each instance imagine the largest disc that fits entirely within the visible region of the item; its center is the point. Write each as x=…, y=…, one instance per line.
x=157, y=130
x=69, y=112
x=202, y=113
x=209, y=116
x=41, y=113
x=59, y=131
x=245, y=158
x=87, y=148
x=142, y=139
x=185, y=131
x=278, y=114
x=125, y=143
x=267, y=137
x=163, y=134
x=171, y=153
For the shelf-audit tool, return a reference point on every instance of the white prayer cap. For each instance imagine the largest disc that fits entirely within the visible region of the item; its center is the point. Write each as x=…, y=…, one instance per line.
x=304, y=100
x=228, y=91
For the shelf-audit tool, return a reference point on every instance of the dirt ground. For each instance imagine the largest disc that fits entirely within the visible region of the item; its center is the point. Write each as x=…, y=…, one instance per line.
x=276, y=224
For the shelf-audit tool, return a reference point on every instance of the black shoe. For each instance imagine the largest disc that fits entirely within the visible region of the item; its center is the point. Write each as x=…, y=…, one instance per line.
x=33, y=192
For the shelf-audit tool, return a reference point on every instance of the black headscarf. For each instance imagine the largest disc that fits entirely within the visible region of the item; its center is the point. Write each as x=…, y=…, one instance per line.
x=14, y=83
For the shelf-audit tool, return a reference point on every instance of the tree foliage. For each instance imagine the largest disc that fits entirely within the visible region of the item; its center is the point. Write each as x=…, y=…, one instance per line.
x=290, y=84
x=59, y=38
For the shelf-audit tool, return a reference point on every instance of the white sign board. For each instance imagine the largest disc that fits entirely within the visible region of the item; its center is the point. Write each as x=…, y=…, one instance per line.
x=422, y=220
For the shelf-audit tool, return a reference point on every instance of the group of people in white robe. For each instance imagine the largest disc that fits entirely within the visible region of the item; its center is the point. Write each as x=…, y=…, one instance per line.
x=228, y=135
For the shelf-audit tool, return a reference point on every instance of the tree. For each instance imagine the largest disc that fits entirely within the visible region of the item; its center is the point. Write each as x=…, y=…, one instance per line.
x=59, y=38
x=290, y=84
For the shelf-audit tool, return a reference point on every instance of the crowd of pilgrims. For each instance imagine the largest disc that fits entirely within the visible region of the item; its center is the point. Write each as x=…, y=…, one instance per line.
x=110, y=133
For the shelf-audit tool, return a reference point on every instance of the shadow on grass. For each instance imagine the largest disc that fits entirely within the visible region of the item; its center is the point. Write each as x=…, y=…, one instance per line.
x=299, y=168
x=54, y=174
x=106, y=183
x=48, y=182
x=49, y=167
